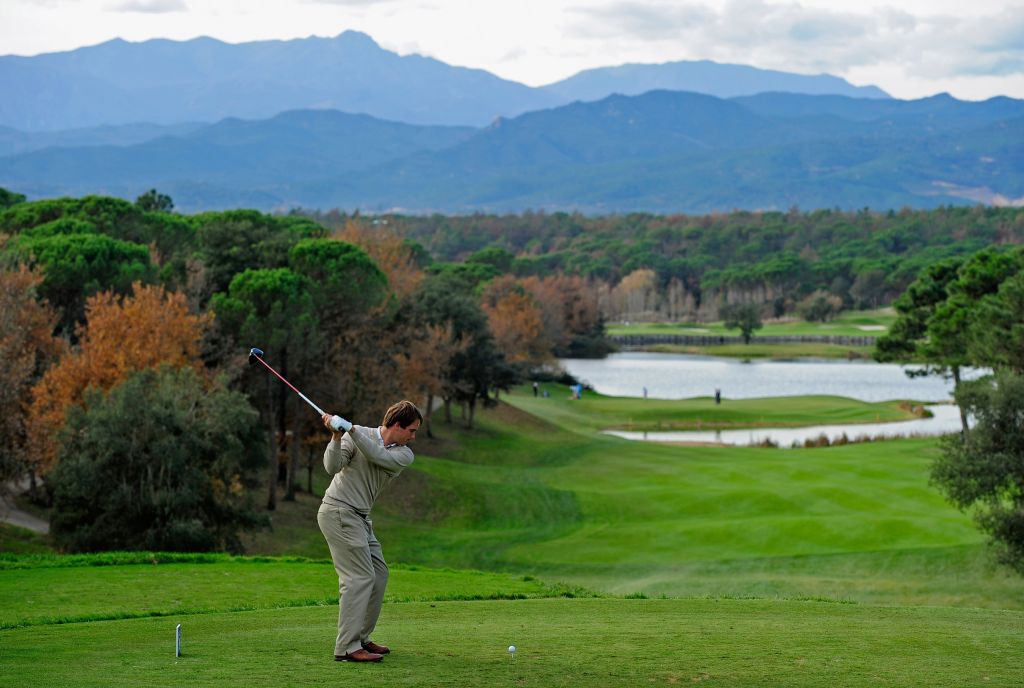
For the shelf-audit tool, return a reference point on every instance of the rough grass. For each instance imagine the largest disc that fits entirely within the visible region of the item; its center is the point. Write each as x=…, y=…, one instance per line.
x=17, y=540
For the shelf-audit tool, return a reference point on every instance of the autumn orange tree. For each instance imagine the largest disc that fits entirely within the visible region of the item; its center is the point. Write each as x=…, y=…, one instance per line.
x=516, y=322
x=27, y=347
x=424, y=364
x=393, y=256
x=571, y=314
x=147, y=329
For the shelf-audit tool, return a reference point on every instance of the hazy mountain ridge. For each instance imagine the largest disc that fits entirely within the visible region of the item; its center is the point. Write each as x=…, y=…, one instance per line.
x=701, y=76
x=661, y=151
x=232, y=154
x=167, y=82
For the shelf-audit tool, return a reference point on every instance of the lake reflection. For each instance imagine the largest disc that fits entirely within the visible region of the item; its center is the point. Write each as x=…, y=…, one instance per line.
x=681, y=376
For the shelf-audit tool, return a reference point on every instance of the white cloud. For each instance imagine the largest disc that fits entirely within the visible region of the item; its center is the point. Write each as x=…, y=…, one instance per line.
x=796, y=37
x=151, y=6
x=349, y=3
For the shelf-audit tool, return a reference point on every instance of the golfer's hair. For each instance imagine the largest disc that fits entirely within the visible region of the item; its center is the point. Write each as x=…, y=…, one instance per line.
x=404, y=413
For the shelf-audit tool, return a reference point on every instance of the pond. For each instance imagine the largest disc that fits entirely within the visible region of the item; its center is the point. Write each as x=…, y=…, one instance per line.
x=682, y=376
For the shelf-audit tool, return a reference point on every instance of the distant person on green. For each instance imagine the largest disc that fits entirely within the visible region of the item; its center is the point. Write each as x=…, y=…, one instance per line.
x=363, y=461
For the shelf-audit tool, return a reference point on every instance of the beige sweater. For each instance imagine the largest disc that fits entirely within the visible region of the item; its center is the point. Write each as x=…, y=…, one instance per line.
x=362, y=467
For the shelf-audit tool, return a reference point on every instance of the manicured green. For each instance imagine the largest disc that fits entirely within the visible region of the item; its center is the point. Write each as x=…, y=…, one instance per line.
x=599, y=412
x=560, y=642
x=781, y=352
x=536, y=489
x=848, y=324
x=859, y=522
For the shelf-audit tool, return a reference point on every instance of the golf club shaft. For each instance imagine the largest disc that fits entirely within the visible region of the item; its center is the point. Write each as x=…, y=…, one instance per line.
x=290, y=385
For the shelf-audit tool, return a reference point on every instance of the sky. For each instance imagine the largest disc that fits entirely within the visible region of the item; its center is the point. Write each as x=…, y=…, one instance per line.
x=972, y=49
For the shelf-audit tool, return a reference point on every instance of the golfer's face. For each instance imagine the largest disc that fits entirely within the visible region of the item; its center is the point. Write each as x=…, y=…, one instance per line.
x=404, y=436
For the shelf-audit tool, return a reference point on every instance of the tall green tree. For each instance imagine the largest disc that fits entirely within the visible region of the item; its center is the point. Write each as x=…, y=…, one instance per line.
x=996, y=338
x=9, y=198
x=342, y=278
x=155, y=202
x=76, y=266
x=273, y=309
x=939, y=311
x=914, y=308
x=357, y=315
x=746, y=317
x=158, y=463
x=230, y=242
x=984, y=471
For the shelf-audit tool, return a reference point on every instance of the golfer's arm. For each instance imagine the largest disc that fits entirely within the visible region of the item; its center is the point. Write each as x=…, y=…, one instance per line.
x=393, y=459
x=338, y=454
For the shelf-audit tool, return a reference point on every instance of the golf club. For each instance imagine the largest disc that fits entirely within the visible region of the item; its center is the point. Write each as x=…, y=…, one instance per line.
x=257, y=355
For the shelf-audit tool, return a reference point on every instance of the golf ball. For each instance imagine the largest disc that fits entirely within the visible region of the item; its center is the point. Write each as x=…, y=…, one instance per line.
x=511, y=648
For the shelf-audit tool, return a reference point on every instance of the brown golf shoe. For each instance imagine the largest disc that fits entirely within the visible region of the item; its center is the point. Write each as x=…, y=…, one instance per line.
x=359, y=656
x=371, y=646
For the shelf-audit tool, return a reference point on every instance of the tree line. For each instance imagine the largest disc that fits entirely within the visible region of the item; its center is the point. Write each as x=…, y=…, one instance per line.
x=687, y=268
x=124, y=331
x=968, y=313
x=128, y=401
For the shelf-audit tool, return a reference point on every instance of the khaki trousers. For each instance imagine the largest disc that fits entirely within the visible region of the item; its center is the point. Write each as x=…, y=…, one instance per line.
x=362, y=574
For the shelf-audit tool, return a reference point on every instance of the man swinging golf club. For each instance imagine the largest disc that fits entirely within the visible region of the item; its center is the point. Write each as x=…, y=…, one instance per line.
x=363, y=461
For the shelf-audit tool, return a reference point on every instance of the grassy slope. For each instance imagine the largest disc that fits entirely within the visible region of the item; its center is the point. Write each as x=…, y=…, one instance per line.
x=857, y=522
x=555, y=499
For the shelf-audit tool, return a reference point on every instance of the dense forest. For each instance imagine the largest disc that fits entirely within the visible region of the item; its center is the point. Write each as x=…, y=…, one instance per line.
x=684, y=267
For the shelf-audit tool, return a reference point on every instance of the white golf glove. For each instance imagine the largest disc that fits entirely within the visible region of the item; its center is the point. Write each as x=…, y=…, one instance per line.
x=339, y=423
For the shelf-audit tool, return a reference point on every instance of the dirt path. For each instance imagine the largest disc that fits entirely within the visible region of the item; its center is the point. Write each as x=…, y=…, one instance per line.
x=10, y=513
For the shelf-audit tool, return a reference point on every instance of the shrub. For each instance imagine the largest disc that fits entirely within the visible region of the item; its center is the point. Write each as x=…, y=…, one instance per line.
x=157, y=463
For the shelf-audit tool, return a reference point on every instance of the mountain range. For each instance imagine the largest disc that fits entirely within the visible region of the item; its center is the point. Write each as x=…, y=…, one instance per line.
x=661, y=151
x=341, y=122
x=206, y=80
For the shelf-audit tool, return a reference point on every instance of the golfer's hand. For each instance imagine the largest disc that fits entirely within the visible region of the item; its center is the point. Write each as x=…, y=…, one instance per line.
x=336, y=424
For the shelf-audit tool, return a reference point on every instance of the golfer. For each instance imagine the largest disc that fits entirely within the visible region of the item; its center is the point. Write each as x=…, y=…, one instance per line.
x=363, y=461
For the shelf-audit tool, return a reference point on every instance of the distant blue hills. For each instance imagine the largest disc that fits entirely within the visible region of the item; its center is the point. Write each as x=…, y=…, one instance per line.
x=661, y=151
x=206, y=80
x=341, y=122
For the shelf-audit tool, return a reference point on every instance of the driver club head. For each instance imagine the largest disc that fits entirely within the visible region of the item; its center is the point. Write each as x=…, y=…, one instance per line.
x=254, y=354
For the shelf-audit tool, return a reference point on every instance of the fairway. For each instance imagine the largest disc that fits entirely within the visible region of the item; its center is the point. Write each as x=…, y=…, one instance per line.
x=847, y=324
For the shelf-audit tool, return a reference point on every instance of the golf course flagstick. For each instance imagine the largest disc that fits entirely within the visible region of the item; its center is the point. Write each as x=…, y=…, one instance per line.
x=257, y=355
